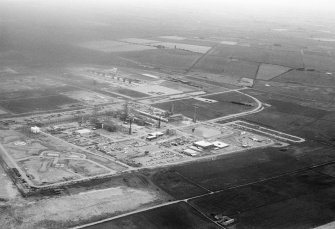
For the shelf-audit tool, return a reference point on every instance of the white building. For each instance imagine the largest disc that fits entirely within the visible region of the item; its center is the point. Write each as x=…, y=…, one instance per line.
x=203, y=144
x=35, y=129
x=220, y=145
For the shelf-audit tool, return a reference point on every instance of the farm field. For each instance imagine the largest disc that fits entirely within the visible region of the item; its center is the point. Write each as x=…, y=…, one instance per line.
x=225, y=66
x=302, y=92
x=307, y=77
x=320, y=63
x=228, y=171
x=240, y=168
x=114, y=46
x=186, y=47
x=305, y=120
x=176, y=185
x=291, y=59
x=154, y=89
x=90, y=98
x=130, y=93
x=222, y=107
x=138, y=40
x=177, y=86
x=10, y=85
x=53, y=102
x=176, y=216
x=260, y=201
x=174, y=59
x=269, y=71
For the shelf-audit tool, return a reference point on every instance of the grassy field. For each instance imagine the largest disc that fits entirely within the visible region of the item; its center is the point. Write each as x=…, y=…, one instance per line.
x=176, y=216
x=22, y=105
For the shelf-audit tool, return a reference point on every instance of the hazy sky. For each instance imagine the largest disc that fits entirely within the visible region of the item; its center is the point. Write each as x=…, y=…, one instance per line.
x=195, y=4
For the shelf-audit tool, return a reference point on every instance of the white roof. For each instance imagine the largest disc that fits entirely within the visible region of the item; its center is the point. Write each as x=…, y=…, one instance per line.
x=220, y=144
x=203, y=143
x=83, y=131
x=191, y=152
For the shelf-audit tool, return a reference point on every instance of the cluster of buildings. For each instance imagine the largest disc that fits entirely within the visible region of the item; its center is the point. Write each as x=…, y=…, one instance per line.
x=199, y=146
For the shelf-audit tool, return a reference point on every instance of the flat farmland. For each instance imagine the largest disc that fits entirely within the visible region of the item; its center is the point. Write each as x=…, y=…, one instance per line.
x=240, y=168
x=176, y=185
x=19, y=106
x=304, y=92
x=289, y=197
x=113, y=46
x=164, y=58
x=291, y=59
x=18, y=94
x=178, y=86
x=187, y=47
x=289, y=116
x=222, y=107
x=130, y=93
x=321, y=63
x=175, y=216
x=221, y=65
x=269, y=71
x=307, y=77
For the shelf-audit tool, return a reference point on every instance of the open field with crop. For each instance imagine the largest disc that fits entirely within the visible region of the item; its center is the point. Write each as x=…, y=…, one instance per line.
x=176, y=216
x=53, y=102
